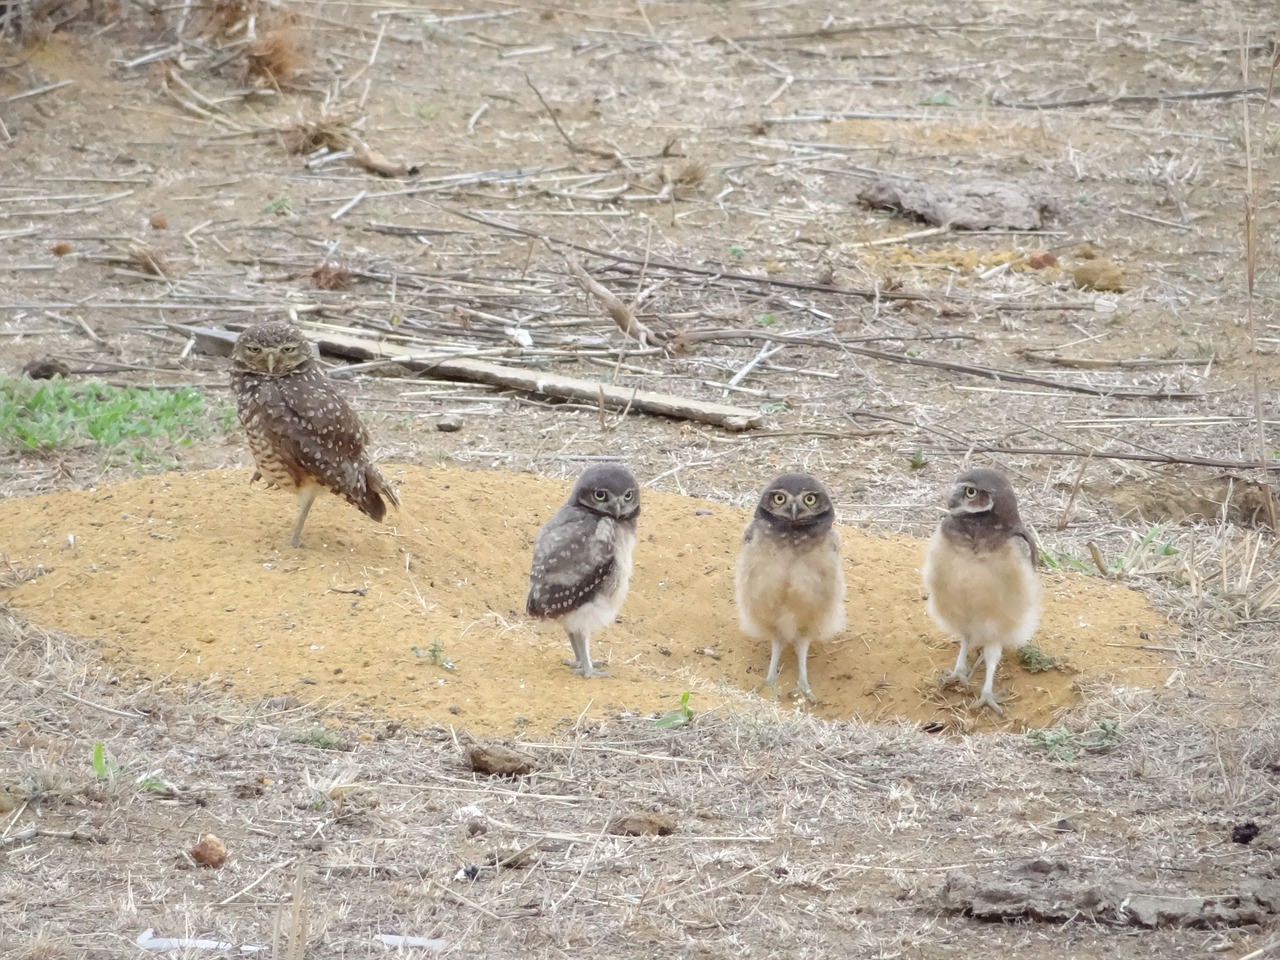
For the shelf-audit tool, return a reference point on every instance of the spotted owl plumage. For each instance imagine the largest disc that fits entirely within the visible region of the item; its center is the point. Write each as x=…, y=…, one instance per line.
x=303, y=434
x=582, y=558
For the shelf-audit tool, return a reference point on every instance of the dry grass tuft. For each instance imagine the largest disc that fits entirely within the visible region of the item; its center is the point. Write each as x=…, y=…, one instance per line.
x=327, y=133
x=149, y=260
x=686, y=179
x=276, y=59
x=331, y=275
x=222, y=19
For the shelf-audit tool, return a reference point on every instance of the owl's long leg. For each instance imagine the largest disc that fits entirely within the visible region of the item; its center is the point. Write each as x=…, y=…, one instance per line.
x=575, y=641
x=306, y=497
x=775, y=658
x=581, y=662
x=961, y=671
x=992, y=655
x=802, y=665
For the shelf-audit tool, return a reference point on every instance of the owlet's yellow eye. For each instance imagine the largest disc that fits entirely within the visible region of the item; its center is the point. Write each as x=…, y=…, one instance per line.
x=600, y=496
x=779, y=499
x=810, y=499
x=970, y=492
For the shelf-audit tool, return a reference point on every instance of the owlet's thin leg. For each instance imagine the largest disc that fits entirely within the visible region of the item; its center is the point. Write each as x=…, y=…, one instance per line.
x=992, y=656
x=802, y=666
x=581, y=662
x=961, y=672
x=306, y=497
x=775, y=659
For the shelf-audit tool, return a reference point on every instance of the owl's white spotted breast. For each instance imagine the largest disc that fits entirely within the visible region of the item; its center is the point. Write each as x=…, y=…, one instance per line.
x=301, y=429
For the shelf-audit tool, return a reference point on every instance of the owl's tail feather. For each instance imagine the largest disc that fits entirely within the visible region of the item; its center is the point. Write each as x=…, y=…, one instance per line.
x=376, y=494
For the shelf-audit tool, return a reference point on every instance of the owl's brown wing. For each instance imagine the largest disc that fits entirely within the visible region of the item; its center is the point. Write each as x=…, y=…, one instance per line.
x=572, y=556
x=310, y=425
x=1033, y=547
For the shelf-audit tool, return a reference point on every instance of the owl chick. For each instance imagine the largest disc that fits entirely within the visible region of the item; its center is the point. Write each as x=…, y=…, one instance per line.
x=980, y=575
x=303, y=434
x=790, y=587
x=582, y=558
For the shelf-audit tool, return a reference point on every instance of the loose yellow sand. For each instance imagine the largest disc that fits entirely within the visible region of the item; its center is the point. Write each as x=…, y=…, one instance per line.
x=189, y=575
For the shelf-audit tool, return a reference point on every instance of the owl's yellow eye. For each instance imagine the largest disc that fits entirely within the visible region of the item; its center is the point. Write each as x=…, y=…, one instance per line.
x=252, y=348
x=629, y=496
x=810, y=499
x=779, y=498
x=289, y=348
x=970, y=492
x=600, y=496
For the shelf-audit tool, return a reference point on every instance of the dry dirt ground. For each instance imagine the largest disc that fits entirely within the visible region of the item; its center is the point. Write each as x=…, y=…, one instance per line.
x=170, y=669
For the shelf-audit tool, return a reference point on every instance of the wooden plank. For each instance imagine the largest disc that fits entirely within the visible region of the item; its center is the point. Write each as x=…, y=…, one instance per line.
x=343, y=342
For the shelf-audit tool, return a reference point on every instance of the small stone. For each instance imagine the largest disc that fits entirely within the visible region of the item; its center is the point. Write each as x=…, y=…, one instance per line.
x=1245, y=832
x=642, y=823
x=1041, y=259
x=209, y=852
x=1100, y=275
x=498, y=761
x=449, y=424
x=46, y=369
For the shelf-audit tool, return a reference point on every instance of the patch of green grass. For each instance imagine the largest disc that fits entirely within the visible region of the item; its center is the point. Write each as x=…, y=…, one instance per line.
x=1035, y=659
x=918, y=460
x=435, y=653
x=103, y=768
x=1064, y=561
x=1064, y=746
x=322, y=739
x=676, y=718
x=49, y=414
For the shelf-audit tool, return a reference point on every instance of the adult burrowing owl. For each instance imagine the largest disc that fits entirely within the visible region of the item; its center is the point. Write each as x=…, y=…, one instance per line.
x=790, y=586
x=303, y=434
x=582, y=558
x=980, y=574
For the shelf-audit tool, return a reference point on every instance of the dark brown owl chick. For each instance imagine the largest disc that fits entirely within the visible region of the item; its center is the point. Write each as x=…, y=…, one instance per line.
x=790, y=585
x=303, y=434
x=980, y=575
x=582, y=558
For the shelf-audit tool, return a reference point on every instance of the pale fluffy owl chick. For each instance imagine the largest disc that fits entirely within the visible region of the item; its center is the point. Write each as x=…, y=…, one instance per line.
x=303, y=434
x=980, y=574
x=582, y=558
x=790, y=585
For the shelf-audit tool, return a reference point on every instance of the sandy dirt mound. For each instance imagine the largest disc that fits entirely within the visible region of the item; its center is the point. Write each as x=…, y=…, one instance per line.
x=188, y=575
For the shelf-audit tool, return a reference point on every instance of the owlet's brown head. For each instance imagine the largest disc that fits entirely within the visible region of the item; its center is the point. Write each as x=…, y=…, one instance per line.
x=797, y=504
x=609, y=489
x=984, y=496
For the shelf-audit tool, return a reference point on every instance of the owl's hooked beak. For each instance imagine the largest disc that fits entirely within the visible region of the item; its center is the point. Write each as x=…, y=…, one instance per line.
x=271, y=361
x=795, y=508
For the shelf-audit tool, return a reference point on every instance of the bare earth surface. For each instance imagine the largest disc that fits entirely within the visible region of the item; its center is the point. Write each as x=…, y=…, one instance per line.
x=170, y=669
